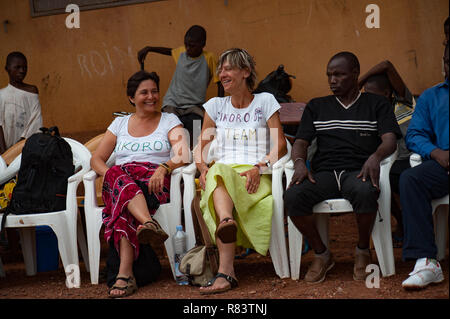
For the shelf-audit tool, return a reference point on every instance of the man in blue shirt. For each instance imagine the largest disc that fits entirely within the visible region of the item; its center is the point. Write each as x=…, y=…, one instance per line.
x=428, y=136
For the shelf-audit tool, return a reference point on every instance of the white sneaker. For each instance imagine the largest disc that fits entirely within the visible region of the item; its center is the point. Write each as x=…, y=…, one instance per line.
x=425, y=272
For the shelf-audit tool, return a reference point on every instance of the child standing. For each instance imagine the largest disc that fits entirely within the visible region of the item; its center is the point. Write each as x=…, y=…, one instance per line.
x=20, y=110
x=195, y=70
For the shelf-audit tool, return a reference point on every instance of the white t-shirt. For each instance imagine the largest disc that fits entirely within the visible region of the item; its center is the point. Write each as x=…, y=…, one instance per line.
x=20, y=114
x=243, y=136
x=154, y=148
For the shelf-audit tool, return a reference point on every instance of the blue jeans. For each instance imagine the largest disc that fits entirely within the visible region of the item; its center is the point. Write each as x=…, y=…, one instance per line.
x=418, y=186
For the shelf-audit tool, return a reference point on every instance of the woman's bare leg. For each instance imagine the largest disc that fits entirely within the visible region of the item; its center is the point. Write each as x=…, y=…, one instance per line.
x=138, y=208
x=126, y=255
x=223, y=205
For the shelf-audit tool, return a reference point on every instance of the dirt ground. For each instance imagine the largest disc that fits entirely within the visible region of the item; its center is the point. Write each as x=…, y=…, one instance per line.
x=257, y=278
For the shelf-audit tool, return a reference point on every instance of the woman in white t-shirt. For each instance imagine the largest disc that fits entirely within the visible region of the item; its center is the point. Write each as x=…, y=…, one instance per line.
x=237, y=196
x=148, y=145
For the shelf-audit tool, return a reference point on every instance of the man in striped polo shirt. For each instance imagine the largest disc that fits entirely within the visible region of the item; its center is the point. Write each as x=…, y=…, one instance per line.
x=355, y=131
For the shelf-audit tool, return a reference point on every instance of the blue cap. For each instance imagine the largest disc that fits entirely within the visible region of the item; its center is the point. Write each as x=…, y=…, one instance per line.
x=179, y=227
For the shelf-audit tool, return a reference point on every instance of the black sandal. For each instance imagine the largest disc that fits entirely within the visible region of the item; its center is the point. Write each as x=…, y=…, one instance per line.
x=233, y=284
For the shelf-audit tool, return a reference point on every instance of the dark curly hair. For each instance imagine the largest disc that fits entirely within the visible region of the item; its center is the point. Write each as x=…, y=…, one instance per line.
x=137, y=78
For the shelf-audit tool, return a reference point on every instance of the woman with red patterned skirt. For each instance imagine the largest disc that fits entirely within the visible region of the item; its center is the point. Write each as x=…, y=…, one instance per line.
x=148, y=145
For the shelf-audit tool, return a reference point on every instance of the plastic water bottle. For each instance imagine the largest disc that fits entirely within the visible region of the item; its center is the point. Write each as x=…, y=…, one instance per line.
x=179, y=242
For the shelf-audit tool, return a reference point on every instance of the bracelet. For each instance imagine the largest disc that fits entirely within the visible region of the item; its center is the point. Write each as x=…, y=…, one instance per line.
x=298, y=158
x=258, y=167
x=261, y=168
x=164, y=165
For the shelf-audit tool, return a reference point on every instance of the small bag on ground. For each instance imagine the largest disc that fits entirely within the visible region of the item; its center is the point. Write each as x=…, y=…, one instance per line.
x=201, y=263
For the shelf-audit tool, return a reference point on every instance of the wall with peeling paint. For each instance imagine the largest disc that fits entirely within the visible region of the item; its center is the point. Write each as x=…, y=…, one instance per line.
x=82, y=73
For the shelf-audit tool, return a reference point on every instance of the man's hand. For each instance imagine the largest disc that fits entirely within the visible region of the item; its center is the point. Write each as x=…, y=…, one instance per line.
x=300, y=173
x=441, y=157
x=371, y=168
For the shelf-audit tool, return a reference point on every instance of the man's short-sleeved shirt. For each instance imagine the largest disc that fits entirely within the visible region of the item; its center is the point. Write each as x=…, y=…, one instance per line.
x=191, y=79
x=346, y=137
x=20, y=114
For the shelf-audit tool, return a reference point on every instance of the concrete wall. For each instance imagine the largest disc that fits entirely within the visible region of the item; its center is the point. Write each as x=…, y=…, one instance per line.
x=82, y=73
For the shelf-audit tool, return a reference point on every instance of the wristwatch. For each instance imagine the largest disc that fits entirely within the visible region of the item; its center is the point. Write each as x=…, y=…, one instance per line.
x=267, y=163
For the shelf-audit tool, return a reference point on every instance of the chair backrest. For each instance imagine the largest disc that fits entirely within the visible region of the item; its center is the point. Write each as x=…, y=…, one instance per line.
x=81, y=155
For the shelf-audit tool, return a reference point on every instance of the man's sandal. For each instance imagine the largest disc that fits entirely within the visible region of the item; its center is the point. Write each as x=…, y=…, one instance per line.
x=129, y=289
x=227, y=230
x=151, y=233
x=233, y=284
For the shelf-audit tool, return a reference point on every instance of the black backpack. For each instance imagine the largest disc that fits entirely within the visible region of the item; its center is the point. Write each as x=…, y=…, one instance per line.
x=278, y=83
x=46, y=164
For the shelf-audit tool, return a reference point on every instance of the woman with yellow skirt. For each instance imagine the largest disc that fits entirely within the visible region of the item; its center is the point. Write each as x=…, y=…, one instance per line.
x=236, y=190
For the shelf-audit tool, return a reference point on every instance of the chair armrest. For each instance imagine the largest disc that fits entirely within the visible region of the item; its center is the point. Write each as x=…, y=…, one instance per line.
x=289, y=165
x=282, y=161
x=178, y=170
x=385, y=168
x=191, y=169
x=11, y=170
x=72, y=185
x=2, y=164
x=415, y=159
x=390, y=159
x=90, y=193
x=79, y=175
x=90, y=176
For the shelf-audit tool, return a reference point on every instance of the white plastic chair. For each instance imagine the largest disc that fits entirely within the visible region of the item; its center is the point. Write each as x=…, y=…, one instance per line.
x=65, y=223
x=381, y=233
x=278, y=249
x=440, y=215
x=168, y=216
x=6, y=173
x=3, y=165
x=9, y=171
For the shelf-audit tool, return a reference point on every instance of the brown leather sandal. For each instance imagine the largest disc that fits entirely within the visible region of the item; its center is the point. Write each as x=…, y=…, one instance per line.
x=227, y=230
x=129, y=289
x=151, y=233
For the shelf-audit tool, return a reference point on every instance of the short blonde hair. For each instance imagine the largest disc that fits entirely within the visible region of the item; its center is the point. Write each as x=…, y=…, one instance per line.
x=241, y=59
